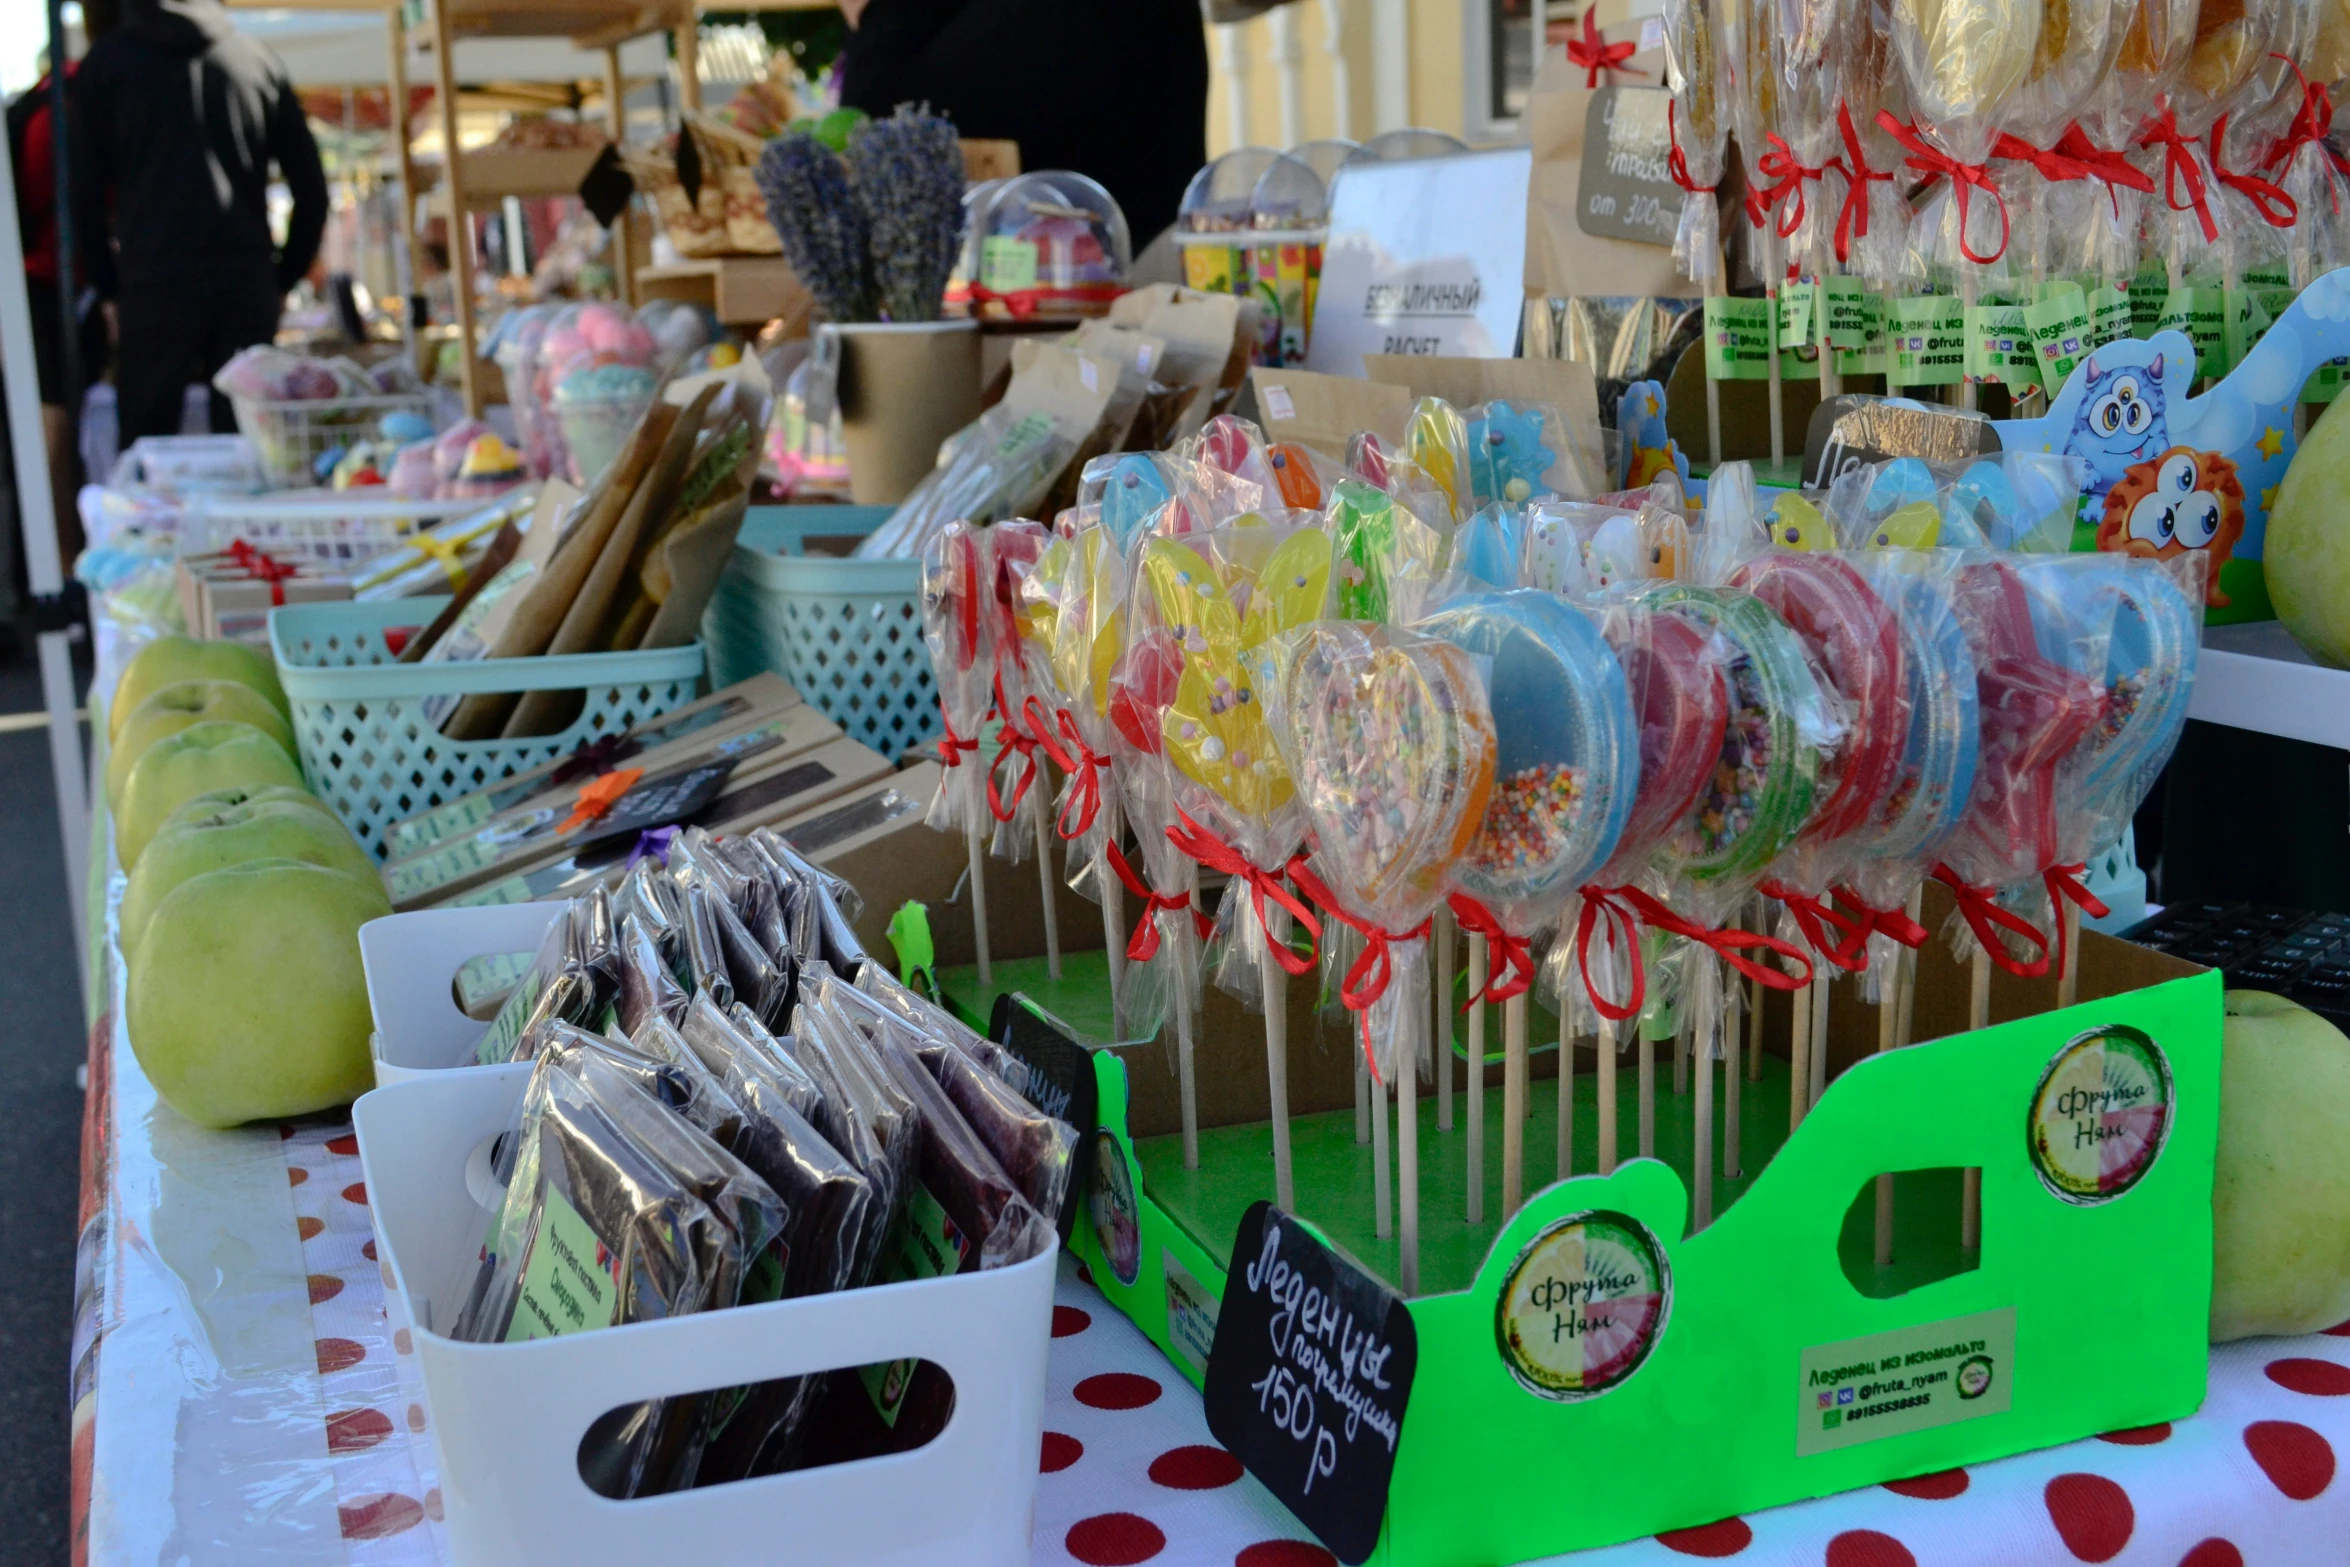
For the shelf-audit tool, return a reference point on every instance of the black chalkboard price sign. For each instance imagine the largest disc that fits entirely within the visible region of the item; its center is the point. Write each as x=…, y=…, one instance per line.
x=1058, y=1078
x=1309, y=1376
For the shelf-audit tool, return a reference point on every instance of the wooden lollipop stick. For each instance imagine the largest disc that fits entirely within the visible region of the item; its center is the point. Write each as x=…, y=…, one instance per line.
x=1604, y=1090
x=1407, y=1142
x=1513, y=1105
x=1732, y=1078
x=1362, y=1102
x=2068, y=983
x=1113, y=894
x=1440, y=934
x=974, y=842
x=1888, y=1030
x=1277, y=1058
x=1798, y=1055
x=1566, y=1149
x=1683, y=1042
x=1647, y=1083
x=1778, y=390
x=1754, y=1024
x=1822, y=988
x=1970, y=1202
x=1476, y=1082
x=1701, y=1150
x=1383, y=1196
x=1187, y=1078
x=1713, y=388
x=1044, y=875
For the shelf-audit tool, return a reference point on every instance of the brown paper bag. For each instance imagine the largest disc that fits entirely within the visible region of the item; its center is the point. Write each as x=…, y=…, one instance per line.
x=1561, y=259
x=1565, y=384
x=1324, y=412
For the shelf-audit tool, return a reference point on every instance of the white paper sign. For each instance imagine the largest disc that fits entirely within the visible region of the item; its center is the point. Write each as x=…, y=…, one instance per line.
x=1424, y=257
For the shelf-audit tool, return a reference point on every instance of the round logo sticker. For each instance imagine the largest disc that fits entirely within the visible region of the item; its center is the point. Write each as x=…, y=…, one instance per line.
x=1974, y=1376
x=1117, y=1221
x=2101, y=1114
x=1583, y=1305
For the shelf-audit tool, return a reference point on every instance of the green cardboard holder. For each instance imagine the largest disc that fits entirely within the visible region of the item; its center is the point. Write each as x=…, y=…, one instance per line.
x=2107, y=1300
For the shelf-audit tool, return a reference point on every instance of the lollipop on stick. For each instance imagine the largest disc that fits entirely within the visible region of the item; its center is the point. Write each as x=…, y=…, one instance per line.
x=1700, y=136
x=1228, y=593
x=1085, y=578
x=1566, y=770
x=955, y=589
x=1021, y=657
x=1391, y=747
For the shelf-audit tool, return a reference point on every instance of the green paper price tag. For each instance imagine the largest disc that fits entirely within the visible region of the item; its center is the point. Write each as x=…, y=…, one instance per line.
x=2201, y=313
x=2109, y=314
x=1855, y=322
x=1929, y=341
x=1796, y=308
x=1998, y=346
x=2061, y=332
x=1007, y=264
x=2148, y=290
x=1737, y=339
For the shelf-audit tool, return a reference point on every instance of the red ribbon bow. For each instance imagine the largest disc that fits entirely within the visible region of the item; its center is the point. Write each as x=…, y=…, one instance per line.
x=263, y=567
x=1217, y=855
x=1729, y=945
x=2178, y=166
x=1080, y=761
x=2065, y=885
x=2267, y=199
x=2110, y=168
x=1624, y=926
x=1595, y=54
x=1142, y=944
x=952, y=747
x=1986, y=919
x=1014, y=745
x=2312, y=124
x=1894, y=922
x=1965, y=178
x=1367, y=978
x=2054, y=164
x=1510, y=971
x=1676, y=161
x=1815, y=919
x=1852, y=220
x=1786, y=173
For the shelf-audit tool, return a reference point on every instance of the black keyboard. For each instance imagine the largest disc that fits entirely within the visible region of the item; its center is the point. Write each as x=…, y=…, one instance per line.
x=2291, y=952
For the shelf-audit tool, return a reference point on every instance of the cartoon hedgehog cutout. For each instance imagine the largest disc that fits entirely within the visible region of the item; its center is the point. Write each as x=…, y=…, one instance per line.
x=2181, y=500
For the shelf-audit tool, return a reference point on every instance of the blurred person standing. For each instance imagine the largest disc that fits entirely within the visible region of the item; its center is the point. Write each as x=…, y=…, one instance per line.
x=184, y=118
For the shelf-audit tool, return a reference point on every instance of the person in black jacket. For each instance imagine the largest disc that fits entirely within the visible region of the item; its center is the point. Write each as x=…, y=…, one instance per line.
x=184, y=117
x=1114, y=89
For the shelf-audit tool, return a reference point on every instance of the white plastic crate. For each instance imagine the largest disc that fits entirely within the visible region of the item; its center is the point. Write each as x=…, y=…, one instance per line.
x=412, y=961
x=507, y=1418
x=292, y=436
x=327, y=529
x=367, y=745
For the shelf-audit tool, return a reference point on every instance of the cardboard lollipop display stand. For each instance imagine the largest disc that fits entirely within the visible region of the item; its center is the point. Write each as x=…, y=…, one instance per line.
x=1556, y=1381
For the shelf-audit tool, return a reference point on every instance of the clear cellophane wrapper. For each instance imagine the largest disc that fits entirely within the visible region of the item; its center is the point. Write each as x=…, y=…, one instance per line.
x=2153, y=611
x=2021, y=502
x=1693, y=70
x=1221, y=598
x=1013, y=549
x=955, y=625
x=1149, y=992
x=1077, y=594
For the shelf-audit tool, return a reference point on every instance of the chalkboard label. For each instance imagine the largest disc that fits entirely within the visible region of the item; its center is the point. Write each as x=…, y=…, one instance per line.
x=1058, y=1080
x=1626, y=189
x=1309, y=1378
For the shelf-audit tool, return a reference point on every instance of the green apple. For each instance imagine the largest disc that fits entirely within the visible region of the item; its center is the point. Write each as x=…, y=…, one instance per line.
x=192, y=845
x=203, y=756
x=212, y=800
x=167, y=661
x=2281, y=1196
x=2306, y=555
x=182, y=706
x=247, y=998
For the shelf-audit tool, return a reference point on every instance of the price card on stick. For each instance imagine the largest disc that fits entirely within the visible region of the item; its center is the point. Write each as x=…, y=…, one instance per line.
x=1425, y=256
x=1309, y=1376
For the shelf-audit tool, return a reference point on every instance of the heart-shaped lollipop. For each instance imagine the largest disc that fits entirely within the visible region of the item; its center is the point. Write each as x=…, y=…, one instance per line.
x=1566, y=767
x=1391, y=746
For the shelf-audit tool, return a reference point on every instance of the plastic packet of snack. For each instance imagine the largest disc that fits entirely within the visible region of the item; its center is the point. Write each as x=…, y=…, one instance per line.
x=692, y=856
x=647, y=988
x=736, y=1045
x=705, y=949
x=641, y=1217
x=763, y=903
x=574, y=977
x=706, y=1102
x=761, y=982
x=647, y=892
x=843, y=893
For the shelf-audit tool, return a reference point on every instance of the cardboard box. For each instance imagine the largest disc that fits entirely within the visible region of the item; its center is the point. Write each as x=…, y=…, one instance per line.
x=227, y=596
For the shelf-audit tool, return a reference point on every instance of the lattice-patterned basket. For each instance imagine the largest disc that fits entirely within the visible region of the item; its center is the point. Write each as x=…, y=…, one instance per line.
x=373, y=754
x=846, y=633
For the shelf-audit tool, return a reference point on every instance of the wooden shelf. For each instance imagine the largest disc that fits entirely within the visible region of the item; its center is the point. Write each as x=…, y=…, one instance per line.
x=742, y=290
x=2255, y=676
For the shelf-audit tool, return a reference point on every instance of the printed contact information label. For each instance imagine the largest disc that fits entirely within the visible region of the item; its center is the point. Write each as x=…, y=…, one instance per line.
x=1911, y=1380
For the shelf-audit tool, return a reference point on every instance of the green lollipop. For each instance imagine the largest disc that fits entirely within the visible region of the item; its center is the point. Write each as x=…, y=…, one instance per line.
x=1763, y=785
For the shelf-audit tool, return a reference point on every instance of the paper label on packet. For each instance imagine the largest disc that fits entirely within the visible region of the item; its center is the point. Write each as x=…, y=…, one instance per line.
x=1796, y=308
x=2201, y=313
x=2109, y=314
x=1913, y=1379
x=1737, y=339
x=1999, y=346
x=2061, y=332
x=570, y=1283
x=2148, y=290
x=1929, y=341
x=1855, y=319
x=1191, y=1315
x=1007, y=264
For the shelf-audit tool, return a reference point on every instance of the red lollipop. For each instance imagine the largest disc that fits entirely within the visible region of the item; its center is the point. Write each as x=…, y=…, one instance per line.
x=1853, y=637
x=2033, y=711
x=1682, y=706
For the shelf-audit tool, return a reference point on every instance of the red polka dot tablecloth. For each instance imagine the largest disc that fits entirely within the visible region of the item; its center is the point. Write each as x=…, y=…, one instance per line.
x=243, y=1396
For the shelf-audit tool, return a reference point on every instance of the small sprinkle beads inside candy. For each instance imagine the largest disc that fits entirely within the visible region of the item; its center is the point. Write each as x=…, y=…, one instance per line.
x=1530, y=812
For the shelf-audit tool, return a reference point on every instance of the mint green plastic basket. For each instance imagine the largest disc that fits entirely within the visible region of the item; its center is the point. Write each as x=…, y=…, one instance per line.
x=359, y=718
x=846, y=633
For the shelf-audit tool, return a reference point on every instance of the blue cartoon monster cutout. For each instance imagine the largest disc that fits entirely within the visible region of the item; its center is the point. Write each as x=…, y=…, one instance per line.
x=2123, y=419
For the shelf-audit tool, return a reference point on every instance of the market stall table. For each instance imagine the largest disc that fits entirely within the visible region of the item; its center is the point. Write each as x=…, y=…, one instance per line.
x=241, y=1396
